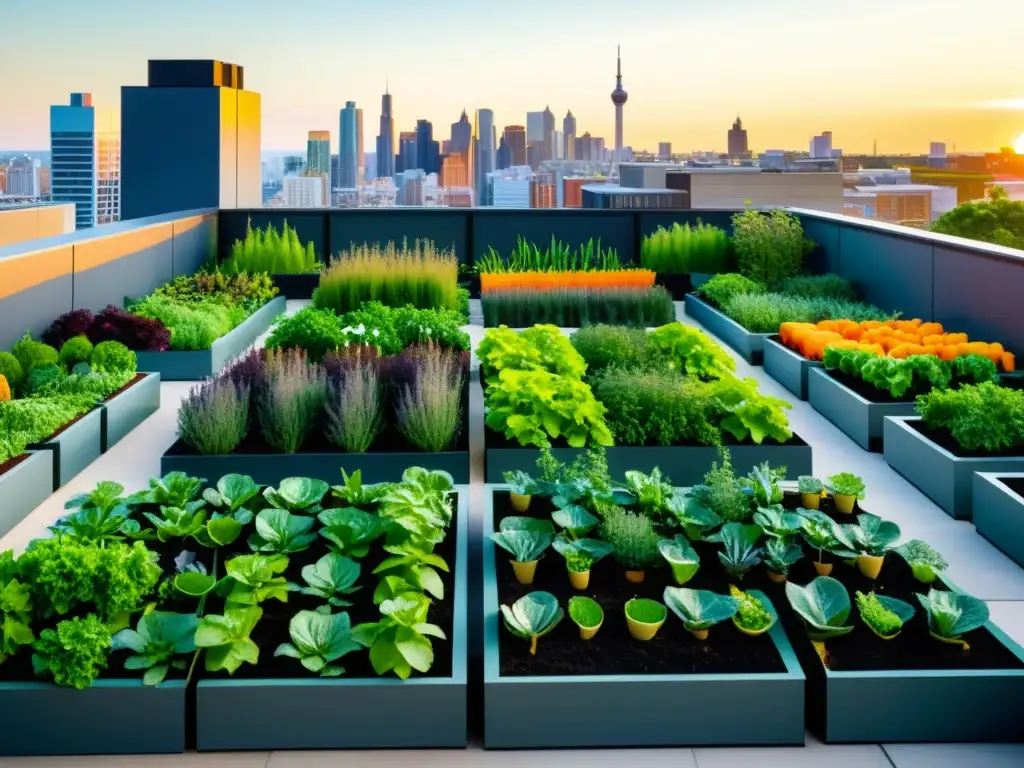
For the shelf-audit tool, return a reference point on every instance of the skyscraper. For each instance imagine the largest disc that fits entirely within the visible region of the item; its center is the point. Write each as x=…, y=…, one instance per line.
x=386, y=139
x=348, y=143
x=428, y=151
x=502, y=157
x=619, y=97
x=360, y=150
x=664, y=150
x=738, y=140
x=540, y=134
x=515, y=139
x=821, y=146
x=85, y=157
x=406, y=158
x=569, y=136
x=190, y=139
x=318, y=152
x=486, y=150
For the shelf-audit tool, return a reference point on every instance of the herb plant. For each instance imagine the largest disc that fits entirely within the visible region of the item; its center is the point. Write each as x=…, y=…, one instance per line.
x=770, y=247
x=722, y=287
x=739, y=552
x=884, y=615
x=809, y=484
x=985, y=418
x=585, y=612
x=581, y=554
x=776, y=522
x=923, y=560
x=690, y=351
x=15, y=609
x=871, y=535
x=722, y=493
x=318, y=640
x=754, y=611
x=780, y=555
x=846, y=484
x=633, y=537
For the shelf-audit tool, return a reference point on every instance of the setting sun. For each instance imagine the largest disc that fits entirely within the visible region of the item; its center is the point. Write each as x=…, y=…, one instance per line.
x=1019, y=146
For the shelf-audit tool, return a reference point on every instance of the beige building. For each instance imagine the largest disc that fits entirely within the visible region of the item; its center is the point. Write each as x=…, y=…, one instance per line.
x=20, y=223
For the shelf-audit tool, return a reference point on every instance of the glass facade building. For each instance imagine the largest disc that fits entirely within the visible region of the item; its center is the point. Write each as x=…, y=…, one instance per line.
x=85, y=160
x=348, y=146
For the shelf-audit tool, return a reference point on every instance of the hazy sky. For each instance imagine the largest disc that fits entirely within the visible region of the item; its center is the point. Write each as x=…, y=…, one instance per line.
x=902, y=71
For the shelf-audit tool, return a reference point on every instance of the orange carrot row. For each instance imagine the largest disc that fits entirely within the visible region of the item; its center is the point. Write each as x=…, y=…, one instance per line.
x=547, y=281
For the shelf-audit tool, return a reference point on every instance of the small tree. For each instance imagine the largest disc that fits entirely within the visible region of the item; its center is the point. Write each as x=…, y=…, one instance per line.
x=997, y=220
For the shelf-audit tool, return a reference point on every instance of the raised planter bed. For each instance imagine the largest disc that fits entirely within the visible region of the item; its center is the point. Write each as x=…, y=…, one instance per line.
x=787, y=367
x=297, y=286
x=861, y=419
x=999, y=511
x=624, y=710
x=112, y=717
x=347, y=712
x=74, y=447
x=203, y=363
x=941, y=475
x=686, y=465
x=26, y=484
x=749, y=346
x=130, y=407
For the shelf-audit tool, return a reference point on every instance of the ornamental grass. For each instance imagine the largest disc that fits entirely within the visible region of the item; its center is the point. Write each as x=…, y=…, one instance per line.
x=557, y=257
x=422, y=275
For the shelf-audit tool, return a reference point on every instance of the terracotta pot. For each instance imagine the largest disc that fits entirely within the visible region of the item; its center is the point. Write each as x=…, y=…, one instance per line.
x=810, y=500
x=778, y=578
x=635, y=577
x=823, y=569
x=524, y=571
x=844, y=504
x=586, y=633
x=641, y=631
x=579, y=579
x=520, y=502
x=870, y=565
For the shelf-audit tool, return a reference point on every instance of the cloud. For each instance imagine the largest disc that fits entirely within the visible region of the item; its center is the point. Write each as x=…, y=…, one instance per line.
x=1003, y=104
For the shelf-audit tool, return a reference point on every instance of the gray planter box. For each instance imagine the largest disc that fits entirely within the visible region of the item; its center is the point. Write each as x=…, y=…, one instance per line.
x=347, y=713
x=917, y=705
x=943, y=477
x=272, y=468
x=76, y=447
x=633, y=710
x=999, y=513
x=125, y=411
x=203, y=363
x=685, y=465
x=787, y=367
x=24, y=487
x=860, y=419
x=749, y=345
x=112, y=717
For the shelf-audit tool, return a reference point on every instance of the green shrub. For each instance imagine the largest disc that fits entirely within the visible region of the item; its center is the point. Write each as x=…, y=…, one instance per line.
x=31, y=353
x=723, y=493
x=819, y=286
x=11, y=370
x=720, y=288
x=985, y=417
x=75, y=652
x=690, y=351
x=742, y=410
x=75, y=350
x=633, y=536
x=577, y=307
x=243, y=291
x=267, y=250
x=32, y=420
x=684, y=249
x=317, y=331
x=770, y=247
x=540, y=348
x=193, y=325
x=43, y=376
x=765, y=312
x=113, y=357
x=602, y=346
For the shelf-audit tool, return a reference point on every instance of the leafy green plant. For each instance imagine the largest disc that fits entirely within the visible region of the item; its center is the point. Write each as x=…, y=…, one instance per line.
x=194, y=325
x=175, y=489
x=280, y=532
x=524, y=545
x=521, y=483
x=754, y=611
x=924, y=561
x=113, y=357
x=178, y=523
x=226, y=640
x=318, y=640
x=540, y=348
x=740, y=551
x=355, y=493
x=871, y=535
x=770, y=246
x=100, y=515
x=332, y=578
x=681, y=558
x=846, y=484
x=985, y=418
x=696, y=519
x=811, y=286
x=532, y=407
x=413, y=564
x=317, y=331
x=691, y=351
x=809, y=484
x=824, y=605
x=722, y=493
x=232, y=493
x=74, y=653
x=31, y=353
x=581, y=554
x=780, y=555
x=765, y=312
x=747, y=414
x=953, y=614
x=532, y=616
x=996, y=220
x=297, y=494
x=652, y=491
x=585, y=612
x=15, y=609
x=351, y=530
x=575, y=520
x=720, y=288
x=884, y=615
x=400, y=642
x=776, y=522
x=256, y=578
x=606, y=346
x=699, y=609
x=821, y=534
x=156, y=640
x=633, y=537
x=763, y=484
x=11, y=369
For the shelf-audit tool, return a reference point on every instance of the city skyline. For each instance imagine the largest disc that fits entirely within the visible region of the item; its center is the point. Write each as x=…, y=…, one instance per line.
x=845, y=54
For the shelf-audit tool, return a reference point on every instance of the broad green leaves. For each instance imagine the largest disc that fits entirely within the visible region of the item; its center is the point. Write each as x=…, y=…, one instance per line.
x=681, y=557
x=699, y=609
x=318, y=639
x=297, y=494
x=400, y=642
x=871, y=535
x=332, y=578
x=824, y=605
x=525, y=546
x=740, y=551
x=226, y=639
x=156, y=640
x=257, y=578
x=952, y=614
x=351, y=530
x=533, y=615
x=281, y=532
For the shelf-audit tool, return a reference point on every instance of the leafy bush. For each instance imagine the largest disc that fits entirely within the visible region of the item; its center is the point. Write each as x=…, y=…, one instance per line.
x=267, y=250
x=720, y=288
x=745, y=413
x=113, y=357
x=540, y=348
x=422, y=276
x=291, y=401
x=819, y=286
x=244, y=291
x=77, y=322
x=765, y=312
x=43, y=377
x=32, y=420
x=355, y=408
x=997, y=220
x=533, y=406
x=75, y=652
x=193, y=325
x=683, y=249
x=31, y=353
x=983, y=417
x=75, y=350
x=141, y=334
x=691, y=351
x=576, y=307
x=602, y=346
x=429, y=412
x=214, y=416
x=11, y=370
x=317, y=331
x=770, y=247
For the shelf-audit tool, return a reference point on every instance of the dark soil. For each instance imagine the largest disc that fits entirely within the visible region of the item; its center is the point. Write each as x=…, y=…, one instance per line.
x=1015, y=484
x=944, y=439
x=612, y=651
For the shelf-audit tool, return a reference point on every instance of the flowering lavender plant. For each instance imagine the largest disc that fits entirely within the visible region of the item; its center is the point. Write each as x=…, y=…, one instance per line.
x=214, y=416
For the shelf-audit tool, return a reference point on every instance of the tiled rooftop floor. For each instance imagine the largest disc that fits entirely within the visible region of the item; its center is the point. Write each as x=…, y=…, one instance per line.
x=975, y=565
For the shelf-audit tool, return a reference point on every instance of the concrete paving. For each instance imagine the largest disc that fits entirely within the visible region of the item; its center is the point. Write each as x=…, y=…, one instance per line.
x=974, y=564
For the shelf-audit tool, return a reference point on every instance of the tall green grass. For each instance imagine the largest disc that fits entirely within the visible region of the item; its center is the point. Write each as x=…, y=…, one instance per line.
x=683, y=249
x=557, y=257
x=267, y=250
x=424, y=276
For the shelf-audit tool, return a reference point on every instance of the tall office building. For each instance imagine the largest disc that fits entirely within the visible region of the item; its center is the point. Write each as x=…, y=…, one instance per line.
x=821, y=146
x=619, y=97
x=486, y=150
x=318, y=161
x=590, y=148
x=190, y=139
x=293, y=165
x=360, y=150
x=738, y=140
x=22, y=178
x=515, y=140
x=85, y=159
x=386, y=148
x=540, y=134
x=502, y=156
x=428, y=151
x=406, y=158
x=569, y=136
x=348, y=143
x=664, y=150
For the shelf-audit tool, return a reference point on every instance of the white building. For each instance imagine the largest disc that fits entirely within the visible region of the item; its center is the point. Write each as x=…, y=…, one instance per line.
x=303, y=191
x=510, y=188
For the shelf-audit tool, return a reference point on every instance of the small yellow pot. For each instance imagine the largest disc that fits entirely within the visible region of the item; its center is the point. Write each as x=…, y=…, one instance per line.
x=810, y=500
x=823, y=569
x=700, y=634
x=870, y=565
x=844, y=504
x=641, y=631
x=586, y=633
x=524, y=571
x=884, y=637
x=520, y=502
x=635, y=577
x=751, y=632
x=579, y=580
x=778, y=578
